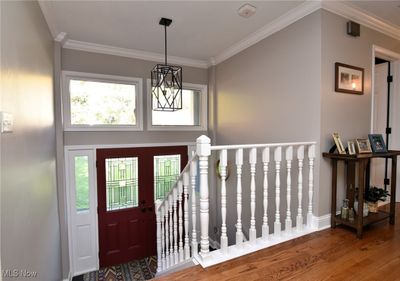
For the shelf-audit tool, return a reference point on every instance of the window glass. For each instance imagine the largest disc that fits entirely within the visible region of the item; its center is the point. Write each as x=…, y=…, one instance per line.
x=102, y=103
x=167, y=169
x=121, y=183
x=189, y=115
x=81, y=183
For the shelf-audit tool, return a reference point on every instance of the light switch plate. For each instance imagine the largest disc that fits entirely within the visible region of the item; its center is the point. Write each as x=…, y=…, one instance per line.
x=7, y=122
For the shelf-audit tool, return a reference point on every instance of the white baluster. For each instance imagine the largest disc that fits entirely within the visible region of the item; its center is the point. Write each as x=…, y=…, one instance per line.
x=265, y=227
x=175, y=196
x=222, y=170
x=253, y=161
x=158, y=237
x=239, y=163
x=311, y=156
x=193, y=174
x=163, y=264
x=278, y=159
x=203, y=150
x=186, y=214
x=167, y=232
x=171, y=232
x=289, y=158
x=299, y=218
x=180, y=221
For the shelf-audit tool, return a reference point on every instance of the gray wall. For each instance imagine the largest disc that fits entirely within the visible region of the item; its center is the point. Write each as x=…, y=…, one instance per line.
x=349, y=115
x=73, y=60
x=30, y=235
x=269, y=93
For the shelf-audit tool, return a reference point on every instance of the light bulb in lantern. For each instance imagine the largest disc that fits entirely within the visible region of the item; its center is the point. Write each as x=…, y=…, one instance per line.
x=353, y=85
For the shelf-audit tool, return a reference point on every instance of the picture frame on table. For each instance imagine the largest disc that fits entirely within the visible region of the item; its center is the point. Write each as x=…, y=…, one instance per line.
x=338, y=143
x=377, y=143
x=349, y=79
x=363, y=146
x=351, y=145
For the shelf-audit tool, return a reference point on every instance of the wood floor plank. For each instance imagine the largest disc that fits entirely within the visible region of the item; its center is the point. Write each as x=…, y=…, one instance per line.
x=333, y=254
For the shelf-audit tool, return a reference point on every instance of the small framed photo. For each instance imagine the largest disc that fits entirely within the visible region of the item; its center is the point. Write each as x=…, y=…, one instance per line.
x=377, y=143
x=363, y=146
x=352, y=147
x=349, y=79
x=338, y=143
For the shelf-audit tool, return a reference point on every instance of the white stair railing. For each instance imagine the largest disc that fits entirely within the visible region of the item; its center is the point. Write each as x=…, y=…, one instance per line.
x=176, y=243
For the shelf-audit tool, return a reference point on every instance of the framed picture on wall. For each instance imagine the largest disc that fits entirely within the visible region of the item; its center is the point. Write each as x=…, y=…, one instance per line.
x=349, y=79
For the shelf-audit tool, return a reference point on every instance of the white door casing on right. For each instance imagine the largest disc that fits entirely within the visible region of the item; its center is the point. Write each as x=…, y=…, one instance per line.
x=379, y=121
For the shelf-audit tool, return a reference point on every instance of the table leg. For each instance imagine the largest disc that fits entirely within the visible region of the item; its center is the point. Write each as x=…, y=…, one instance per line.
x=334, y=187
x=393, y=190
x=361, y=183
x=351, y=182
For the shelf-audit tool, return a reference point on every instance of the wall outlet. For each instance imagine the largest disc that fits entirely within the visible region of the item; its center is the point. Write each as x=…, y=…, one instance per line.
x=6, y=122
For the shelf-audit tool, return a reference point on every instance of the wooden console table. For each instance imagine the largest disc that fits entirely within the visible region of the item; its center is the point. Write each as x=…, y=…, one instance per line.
x=363, y=161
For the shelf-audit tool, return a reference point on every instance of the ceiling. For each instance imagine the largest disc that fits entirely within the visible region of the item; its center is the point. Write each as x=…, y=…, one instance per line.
x=388, y=11
x=201, y=30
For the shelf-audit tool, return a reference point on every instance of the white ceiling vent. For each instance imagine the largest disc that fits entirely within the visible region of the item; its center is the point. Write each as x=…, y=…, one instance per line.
x=247, y=11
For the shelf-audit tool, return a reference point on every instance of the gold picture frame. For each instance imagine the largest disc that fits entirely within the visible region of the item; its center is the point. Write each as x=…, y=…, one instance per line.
x=363, y=146
x=338, y=143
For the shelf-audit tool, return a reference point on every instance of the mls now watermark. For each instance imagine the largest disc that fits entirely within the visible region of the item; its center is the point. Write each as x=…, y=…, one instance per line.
x=19, y=273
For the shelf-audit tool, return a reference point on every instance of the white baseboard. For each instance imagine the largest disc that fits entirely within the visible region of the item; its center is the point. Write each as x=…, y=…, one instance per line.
x=322, y=222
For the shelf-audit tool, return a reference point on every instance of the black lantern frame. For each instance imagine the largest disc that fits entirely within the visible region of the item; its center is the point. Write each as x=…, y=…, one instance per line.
x=166, y=82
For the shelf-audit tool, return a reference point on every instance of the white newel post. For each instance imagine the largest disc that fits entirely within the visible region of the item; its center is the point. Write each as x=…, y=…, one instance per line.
x=278, y=159
x=289, y=157
x=167, y=252
x=311, y=156
x=163, y=265
x=180, y=221
x=299, y=218
x=158, y=224
x=239, y=163
x=186, y=214
x=265, y=227
x=175, y=198
x=222, y=170
x=253, y=161
x=203, y=150
x=193, y=174
x=171, y=231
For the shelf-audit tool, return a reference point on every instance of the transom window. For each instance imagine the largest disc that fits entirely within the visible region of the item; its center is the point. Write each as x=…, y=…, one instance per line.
x=192, y=116
x=101, y=102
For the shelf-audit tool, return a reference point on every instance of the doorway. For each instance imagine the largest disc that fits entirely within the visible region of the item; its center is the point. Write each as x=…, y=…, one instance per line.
x=128, y=182
x=385, y=110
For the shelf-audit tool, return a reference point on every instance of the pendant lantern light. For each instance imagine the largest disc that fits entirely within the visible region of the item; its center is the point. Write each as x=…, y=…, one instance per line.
x=166, y=81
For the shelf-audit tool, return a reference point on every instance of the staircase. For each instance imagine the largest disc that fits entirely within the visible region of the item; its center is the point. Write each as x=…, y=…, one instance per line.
x=284, y=213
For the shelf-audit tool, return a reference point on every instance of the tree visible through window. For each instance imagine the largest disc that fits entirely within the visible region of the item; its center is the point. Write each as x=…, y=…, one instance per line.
x=102, y=103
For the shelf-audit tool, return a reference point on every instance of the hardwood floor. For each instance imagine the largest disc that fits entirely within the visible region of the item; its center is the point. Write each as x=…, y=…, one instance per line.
x=332, y=254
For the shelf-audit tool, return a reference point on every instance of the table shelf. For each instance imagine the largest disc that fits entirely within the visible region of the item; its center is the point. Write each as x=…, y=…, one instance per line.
x=362, y=173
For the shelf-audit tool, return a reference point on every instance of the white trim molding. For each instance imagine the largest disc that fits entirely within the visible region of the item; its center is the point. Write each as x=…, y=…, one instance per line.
x=363, y=17
x=131, y=53
x=48, y=16
x=276, y=25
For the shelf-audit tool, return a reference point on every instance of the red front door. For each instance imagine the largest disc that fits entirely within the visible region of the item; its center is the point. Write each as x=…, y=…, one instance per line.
x=126, y=216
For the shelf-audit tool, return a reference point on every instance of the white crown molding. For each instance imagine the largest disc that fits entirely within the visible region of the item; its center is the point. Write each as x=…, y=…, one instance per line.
x=43, y=4
x=131, y=53
x=362, y=17
x=276, y=25
x=61, y=37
